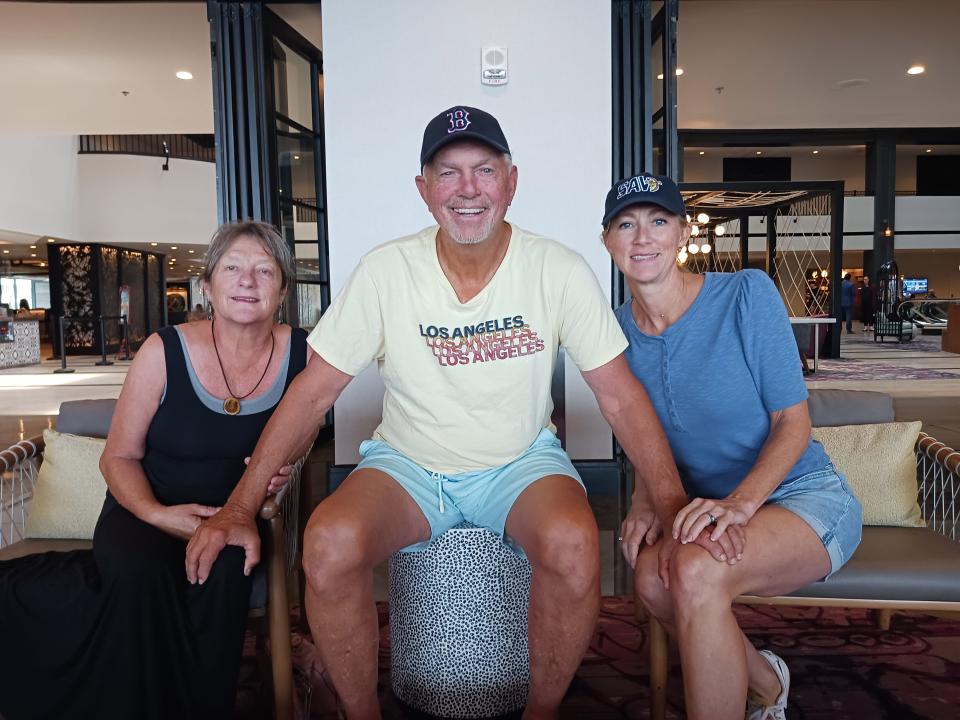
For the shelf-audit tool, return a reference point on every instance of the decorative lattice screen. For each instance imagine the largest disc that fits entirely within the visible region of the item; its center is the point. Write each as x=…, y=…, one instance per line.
x=803, y=222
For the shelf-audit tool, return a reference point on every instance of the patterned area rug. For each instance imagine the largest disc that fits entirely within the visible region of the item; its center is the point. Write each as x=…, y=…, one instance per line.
x=846, y=369
x=843, y=667
x=920, y=343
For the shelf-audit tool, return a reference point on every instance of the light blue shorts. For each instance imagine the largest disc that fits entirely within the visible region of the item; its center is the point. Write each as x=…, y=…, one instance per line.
x=482, y=497
x=823, y=499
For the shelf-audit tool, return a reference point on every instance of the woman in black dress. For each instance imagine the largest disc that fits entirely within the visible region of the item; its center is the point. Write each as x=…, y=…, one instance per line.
x=118, y=632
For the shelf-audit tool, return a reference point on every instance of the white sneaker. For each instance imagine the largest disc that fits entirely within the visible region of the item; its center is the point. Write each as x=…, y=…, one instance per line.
x=777, y=711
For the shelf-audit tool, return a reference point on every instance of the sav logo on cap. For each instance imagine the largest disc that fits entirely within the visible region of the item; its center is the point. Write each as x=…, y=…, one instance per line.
x=459, y=120
x=641, y=189
x=640, y=183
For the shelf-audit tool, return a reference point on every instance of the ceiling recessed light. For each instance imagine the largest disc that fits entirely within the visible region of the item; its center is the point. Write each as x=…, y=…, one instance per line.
x=929, y=149
x=759, y=152
x=916, y=70
x=816, y=152
x=6, y=252
x=51, y=240
x=33, y=247
x=173, y=247
x=702, y=152
x=33, y=254
x=153, y=244
x=43, y=264
x=679, y=72
x=185, y=75
x=296, y=157
x=190, y=251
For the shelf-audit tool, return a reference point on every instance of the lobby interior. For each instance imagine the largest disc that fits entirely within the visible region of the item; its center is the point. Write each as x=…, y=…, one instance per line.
x=811, y=83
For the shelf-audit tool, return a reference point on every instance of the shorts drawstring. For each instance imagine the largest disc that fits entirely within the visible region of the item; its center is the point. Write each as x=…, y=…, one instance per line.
x=439, y=478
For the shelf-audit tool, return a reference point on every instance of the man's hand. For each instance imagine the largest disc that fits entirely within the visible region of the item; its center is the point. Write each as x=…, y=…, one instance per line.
x=641, y=525
x=278, y=481
x=181, y=521
x=230, y=526
x=728, y=548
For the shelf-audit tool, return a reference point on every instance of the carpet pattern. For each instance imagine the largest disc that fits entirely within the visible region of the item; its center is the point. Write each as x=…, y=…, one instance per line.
x=843, y=667
x=846, y=369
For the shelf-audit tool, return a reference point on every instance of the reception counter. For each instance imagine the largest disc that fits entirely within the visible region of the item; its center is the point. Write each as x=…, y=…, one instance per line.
x=19, y=343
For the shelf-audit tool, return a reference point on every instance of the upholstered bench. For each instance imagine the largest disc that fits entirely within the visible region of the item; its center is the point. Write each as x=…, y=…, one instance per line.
x=458, y=625
x=905, y=567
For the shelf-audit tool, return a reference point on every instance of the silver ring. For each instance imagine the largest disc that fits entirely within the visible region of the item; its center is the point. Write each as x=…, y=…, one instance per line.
x=713, y=520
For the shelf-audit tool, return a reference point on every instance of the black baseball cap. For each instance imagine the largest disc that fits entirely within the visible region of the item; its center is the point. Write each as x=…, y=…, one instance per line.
x=643, y=188
x=461, y=123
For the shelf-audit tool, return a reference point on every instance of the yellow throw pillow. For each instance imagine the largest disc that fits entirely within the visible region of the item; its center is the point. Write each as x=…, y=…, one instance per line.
x=881, y=467
x=70, y=489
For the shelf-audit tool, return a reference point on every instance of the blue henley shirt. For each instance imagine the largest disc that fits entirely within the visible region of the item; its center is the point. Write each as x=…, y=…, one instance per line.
x=716, y=374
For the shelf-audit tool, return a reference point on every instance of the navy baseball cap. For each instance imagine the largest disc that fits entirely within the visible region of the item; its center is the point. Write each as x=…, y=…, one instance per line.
x=643, y=188
x=461, y=123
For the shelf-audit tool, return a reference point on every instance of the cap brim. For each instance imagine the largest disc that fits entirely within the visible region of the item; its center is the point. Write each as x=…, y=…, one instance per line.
x=627, y=202
x=462, y=135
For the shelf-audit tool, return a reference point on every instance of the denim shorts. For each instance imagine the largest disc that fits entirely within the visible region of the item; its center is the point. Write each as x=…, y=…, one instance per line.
x=482, y=497
x=823, y=499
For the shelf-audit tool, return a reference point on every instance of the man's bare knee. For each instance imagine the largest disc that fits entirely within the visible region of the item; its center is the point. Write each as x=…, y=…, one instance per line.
x=569, y=548
x=333, y=549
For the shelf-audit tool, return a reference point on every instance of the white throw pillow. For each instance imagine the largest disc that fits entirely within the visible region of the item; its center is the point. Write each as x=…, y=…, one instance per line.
x=881, y=467
x=70, y=489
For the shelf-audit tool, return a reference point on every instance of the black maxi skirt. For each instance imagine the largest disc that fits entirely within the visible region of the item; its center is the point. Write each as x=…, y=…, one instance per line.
x=118, y=632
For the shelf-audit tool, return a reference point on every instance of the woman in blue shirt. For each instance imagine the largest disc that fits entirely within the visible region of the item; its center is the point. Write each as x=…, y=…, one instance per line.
x=717, y=356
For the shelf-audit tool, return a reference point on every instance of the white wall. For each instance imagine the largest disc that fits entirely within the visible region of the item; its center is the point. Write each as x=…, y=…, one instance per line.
x=389, y=70
x=39, y=185
x=46, y=188
x=918, y=213
x=129, y=199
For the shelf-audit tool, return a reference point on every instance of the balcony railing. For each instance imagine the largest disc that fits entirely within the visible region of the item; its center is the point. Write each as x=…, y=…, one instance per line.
x=182, y=147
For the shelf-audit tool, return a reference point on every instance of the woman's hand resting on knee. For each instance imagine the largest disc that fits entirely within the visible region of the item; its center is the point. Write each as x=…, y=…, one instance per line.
x=716, y=516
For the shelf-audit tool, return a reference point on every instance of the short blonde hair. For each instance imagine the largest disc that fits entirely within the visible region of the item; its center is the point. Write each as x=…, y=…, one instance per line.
x=265, y=234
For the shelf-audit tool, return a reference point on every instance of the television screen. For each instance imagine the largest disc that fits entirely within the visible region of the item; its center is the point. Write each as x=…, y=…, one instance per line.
x=915, y=285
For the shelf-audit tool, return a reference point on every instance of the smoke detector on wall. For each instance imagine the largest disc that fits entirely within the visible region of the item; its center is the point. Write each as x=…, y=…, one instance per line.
x=493, y=65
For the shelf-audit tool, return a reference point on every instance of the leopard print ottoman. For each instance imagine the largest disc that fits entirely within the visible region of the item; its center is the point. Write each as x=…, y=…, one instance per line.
x=458, y=626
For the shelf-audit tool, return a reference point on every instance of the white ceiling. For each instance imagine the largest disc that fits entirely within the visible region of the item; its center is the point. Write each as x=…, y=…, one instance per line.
x=779, y=63
x=63, y=66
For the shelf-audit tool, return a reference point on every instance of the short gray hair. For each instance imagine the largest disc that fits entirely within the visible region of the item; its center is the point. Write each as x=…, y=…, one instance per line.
x=265, y=234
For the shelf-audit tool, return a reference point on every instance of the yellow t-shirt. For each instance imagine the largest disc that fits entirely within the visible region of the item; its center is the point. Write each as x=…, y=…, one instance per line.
x=467, y=384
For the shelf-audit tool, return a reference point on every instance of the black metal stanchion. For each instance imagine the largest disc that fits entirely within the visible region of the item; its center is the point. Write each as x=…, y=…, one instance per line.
x=63, y=352
x=103, y=347
x=125, y=339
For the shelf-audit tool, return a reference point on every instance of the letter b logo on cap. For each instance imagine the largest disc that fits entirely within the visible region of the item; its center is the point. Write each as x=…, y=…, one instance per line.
x=459, y=120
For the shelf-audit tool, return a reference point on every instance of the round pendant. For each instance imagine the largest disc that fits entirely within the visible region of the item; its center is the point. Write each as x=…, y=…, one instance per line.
x=231, y=406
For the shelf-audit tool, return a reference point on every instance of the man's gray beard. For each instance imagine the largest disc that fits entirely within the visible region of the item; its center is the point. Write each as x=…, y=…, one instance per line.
x=485, y=232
